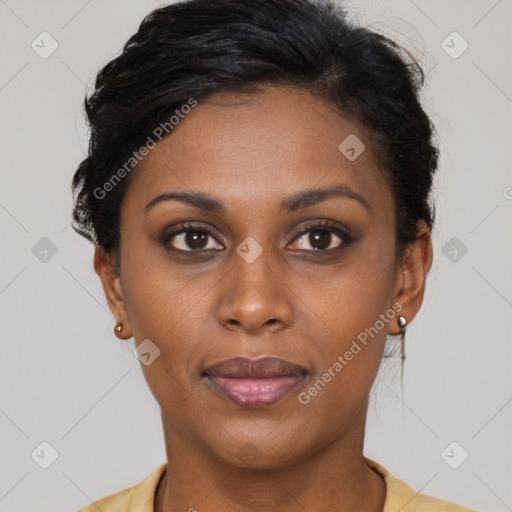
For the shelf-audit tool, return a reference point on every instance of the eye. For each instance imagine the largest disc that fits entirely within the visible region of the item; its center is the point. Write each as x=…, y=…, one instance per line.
x=190, y=238
x=321, y=236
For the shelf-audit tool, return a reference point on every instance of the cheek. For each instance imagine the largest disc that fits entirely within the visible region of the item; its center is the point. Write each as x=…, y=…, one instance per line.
x=168, y=308
x=158, y=295
x=348, y=358
x=353, y=335
x=349, y=297
x=352, y=312
x=166, y=311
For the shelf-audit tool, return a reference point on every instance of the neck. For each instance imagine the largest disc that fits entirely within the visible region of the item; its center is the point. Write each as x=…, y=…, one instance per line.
x=334, y=478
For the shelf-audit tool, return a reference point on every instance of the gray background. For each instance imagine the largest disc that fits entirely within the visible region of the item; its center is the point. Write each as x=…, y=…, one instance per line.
x=67, y=380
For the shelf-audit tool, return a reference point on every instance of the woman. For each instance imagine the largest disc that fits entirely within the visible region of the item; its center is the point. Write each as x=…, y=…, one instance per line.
x=257, y=189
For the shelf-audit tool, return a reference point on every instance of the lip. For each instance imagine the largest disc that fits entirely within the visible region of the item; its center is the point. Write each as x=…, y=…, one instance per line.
x=254, y=383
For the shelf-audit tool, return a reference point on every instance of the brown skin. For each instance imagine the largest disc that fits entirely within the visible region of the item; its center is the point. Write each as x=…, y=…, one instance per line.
x=250, y=152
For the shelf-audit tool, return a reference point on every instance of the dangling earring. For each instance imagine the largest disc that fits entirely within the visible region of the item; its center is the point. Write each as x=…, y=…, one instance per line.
x=402, y=322
x=118, y=329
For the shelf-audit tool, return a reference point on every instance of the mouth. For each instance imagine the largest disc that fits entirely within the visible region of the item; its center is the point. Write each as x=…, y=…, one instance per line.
x=254, y=383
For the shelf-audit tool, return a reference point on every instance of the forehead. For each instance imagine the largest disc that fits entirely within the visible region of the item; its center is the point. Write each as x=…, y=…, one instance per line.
x=259, y=145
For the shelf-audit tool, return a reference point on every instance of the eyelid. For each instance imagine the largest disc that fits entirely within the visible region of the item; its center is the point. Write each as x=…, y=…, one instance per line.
x=324, y=223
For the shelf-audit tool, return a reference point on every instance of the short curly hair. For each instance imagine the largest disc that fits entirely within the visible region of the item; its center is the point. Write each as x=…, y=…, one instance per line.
x=194, y=48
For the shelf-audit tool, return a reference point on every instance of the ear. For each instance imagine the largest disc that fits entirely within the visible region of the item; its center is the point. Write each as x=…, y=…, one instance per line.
x=107, y=268
x=411, y=275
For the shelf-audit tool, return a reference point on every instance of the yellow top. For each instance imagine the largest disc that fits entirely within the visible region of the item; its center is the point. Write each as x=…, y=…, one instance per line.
x=400, y=497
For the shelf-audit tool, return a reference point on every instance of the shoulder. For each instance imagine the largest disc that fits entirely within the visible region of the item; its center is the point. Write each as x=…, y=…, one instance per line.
x=402, y=497
x=139, y=497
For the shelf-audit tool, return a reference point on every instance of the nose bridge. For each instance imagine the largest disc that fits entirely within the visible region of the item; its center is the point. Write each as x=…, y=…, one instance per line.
x=254, y=295
x=252, y=270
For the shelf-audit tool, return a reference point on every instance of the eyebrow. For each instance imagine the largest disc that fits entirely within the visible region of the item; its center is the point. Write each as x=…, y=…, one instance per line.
x=295, y=202
x=310, y=197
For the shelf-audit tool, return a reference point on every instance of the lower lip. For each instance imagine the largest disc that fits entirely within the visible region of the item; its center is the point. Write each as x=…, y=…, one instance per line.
x=256, y=392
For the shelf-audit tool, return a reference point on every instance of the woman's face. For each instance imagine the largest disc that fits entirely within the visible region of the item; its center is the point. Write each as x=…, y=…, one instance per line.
x=256, y=277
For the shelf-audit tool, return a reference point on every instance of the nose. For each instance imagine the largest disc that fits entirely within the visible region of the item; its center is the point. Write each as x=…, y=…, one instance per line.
x=254, y=297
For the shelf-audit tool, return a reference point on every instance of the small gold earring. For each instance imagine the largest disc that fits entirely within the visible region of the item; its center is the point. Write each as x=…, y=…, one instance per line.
x=118, y=329
x=402, y=322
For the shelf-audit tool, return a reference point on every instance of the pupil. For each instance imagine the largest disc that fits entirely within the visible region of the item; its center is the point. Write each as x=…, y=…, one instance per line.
x=320, y=238
x=196, y=239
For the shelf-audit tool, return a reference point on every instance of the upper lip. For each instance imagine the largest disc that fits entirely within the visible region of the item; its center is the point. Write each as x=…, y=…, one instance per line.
x=242, y=367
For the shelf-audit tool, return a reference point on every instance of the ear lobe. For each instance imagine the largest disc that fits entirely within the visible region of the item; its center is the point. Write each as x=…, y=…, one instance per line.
x=415, y=266
x=107, y=268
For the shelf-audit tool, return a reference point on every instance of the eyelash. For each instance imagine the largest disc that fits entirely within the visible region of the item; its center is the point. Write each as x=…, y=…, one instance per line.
x=187, y=227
